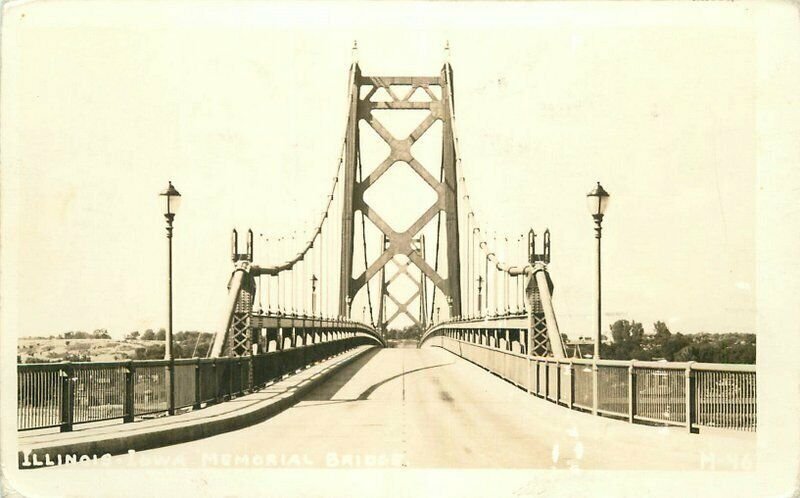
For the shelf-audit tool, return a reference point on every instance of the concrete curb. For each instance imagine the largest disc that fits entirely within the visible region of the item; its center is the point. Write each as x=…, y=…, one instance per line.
x=191, y=430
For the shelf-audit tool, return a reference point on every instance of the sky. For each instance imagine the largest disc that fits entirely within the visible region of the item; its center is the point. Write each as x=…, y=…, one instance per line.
x=244, y=108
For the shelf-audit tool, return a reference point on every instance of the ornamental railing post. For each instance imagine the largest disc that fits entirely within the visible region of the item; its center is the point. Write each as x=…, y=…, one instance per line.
x=546, y=380
x=197, y=386
x=558, y=381
x=250, y=380
x=230, y=368
x=127, y=413
x=571, y=384
x=595, y=387
x=67, y=397
x=216, y=380
x=171, y=387
x=689, y=398
x=241, y=387
x=631, y=393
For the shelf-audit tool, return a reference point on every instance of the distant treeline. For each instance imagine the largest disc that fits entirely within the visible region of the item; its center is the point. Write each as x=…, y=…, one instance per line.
x=629, y=342
x=77, y=334
x=410, y=332
x=185, y=344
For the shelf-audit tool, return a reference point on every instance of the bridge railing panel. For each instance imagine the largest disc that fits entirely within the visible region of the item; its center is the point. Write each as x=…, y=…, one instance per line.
x=208, y=381
x=552, y=381
x=39, y=395
x=150, y=388
x=612, y=387
x=223, y=379
x=237, y=380
x=266, y=368
x=691, y=395
x=584, y=386
x=99, y=392
x=541, y=379
x=495, y=361
x=293, y=360
x=565, y=384
x=660, y=395
x=519, y=371
x=726, y=399
x=63, y=394
x=313, y=353
x=185, y=378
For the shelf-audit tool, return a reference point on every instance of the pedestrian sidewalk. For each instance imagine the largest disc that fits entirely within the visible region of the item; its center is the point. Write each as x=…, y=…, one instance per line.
x=92, y=442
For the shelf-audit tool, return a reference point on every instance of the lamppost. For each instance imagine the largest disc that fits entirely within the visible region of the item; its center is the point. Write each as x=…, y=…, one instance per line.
x=597, y=200
x=171, y=200
x=480, y=295
x=314, y=280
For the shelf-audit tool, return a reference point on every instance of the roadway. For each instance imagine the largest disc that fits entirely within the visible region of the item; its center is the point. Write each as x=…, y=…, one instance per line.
x=426, y=408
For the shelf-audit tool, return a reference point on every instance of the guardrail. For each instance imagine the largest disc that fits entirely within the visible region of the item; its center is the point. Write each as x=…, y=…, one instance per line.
x=64, y=394
x=691, y=395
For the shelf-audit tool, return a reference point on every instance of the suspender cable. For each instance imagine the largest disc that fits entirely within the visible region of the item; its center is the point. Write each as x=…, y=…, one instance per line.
x=259, y=290
x=302, y=286
x=506, y=282
x=269, y=278
x=469, y=259
x=282, y=281
x=323, y=296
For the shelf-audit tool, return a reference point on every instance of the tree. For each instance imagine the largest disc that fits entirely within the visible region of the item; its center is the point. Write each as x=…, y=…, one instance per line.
x=637, y=333
x=661, y=330
x=161, y=335
x=674, y=344
x=192, y=344
x=149, y=335
x=132, y=335
x=150, y=352
x=628, y=341
x=631, y=343
x=660, y=339
x=101, y=334
x=621, y=331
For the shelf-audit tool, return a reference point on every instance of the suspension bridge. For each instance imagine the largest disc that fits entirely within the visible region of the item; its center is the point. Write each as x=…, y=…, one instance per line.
x=490, y=383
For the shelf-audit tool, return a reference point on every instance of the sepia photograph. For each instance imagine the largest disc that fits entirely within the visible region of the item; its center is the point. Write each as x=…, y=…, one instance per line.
x=399, y=248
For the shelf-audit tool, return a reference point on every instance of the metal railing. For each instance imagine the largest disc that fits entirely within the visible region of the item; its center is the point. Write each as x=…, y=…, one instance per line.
x=64, y=394
x=691, y=395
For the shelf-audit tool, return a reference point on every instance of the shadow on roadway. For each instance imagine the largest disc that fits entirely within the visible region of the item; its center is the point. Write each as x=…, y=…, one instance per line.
x=327, y=390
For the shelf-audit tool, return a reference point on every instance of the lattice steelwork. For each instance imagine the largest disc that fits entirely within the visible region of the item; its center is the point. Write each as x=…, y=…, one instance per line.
x=402, y=308
x=240, y=338
x=361, y=109
x=540, y=343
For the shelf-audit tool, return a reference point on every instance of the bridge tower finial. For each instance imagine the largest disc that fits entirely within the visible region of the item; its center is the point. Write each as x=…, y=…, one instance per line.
x=447, y=52
x=354, y=52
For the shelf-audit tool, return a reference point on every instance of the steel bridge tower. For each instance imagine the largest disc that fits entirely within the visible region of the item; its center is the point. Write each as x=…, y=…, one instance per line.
x=360, y=109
